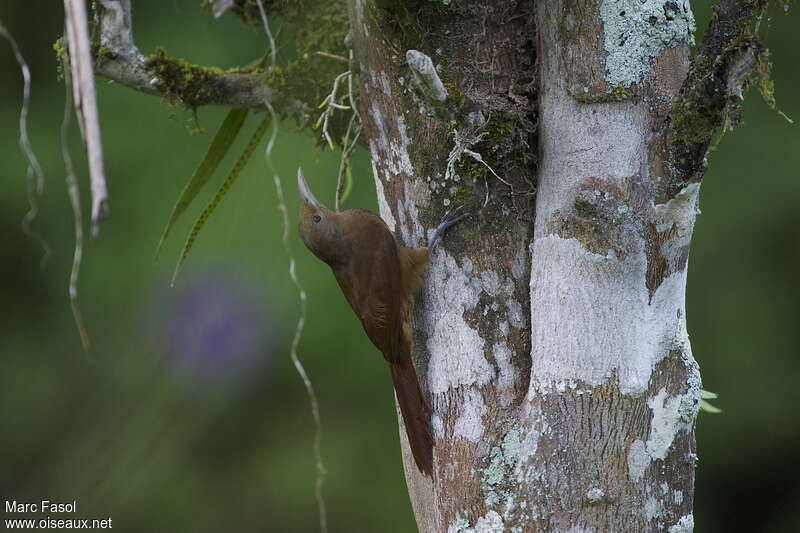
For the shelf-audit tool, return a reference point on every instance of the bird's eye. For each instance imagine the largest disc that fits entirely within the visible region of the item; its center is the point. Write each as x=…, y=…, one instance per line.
x=317, y=218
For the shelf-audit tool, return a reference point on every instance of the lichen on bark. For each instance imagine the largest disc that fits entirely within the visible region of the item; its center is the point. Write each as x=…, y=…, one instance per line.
x=635, y=31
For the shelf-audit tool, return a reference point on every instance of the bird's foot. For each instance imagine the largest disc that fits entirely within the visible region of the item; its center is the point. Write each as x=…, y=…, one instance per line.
x=452, y=217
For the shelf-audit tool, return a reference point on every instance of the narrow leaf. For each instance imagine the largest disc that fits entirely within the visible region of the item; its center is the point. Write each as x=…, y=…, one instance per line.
x=216, y=152
x=223, y=189
x=708, y=408
x=348, y=182
x=708, y=395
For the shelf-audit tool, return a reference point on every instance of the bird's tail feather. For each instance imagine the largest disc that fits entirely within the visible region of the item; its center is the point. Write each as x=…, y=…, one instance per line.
x=415, y=414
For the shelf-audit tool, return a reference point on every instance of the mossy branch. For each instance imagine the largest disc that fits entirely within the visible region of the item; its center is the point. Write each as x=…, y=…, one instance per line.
x=293, y=89
x=193, y=85
x=710, y=96
x=174, y=79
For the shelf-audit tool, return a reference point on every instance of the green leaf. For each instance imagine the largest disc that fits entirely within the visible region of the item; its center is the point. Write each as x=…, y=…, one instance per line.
x=708, y=408
x=348, y=183
x=223, y=189
x=216, y=152
x=708, y=395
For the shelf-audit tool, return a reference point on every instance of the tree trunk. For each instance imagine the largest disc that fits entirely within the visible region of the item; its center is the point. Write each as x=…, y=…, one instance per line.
x=550, y=336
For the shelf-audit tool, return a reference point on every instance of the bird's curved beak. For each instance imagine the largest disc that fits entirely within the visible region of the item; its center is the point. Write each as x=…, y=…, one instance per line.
x=305, y=193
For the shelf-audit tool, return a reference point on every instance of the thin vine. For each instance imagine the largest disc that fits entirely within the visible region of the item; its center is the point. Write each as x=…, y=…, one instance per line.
x=312, y=397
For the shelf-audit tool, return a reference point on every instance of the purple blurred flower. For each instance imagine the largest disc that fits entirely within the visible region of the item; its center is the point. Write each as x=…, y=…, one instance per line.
x=216, y=324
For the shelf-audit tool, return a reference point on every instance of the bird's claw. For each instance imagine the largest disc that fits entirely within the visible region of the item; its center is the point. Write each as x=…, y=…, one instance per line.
x=450, y=218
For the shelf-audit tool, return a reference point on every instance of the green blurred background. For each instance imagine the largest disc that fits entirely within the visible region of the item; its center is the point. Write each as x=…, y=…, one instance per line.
x=188, y=415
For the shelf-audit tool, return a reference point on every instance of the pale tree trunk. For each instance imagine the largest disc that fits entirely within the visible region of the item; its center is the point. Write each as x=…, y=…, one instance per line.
x=551, y=336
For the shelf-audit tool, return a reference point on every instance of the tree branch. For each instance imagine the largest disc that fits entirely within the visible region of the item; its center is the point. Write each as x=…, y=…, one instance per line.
x=712, y=90
x=120, y=60
x=83, y=91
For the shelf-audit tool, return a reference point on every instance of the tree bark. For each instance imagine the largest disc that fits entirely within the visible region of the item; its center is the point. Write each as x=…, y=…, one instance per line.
x=614, y=389
x=552, y=346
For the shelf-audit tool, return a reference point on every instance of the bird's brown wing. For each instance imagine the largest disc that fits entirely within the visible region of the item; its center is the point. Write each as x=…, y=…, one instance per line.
x=371, y=283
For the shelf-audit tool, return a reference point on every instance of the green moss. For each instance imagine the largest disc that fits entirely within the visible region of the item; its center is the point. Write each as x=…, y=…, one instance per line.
x=461, y=195
x=686, y=124
x=620, y=94
x=700, y=117
x=764, y=77
x=62, y=58
x=766, y=86
x=455, y=99
x=183, y=82
x=710, y=100
x=101, y=54
x=498, y=149
x=585, y=209
x=503, y=148
x=617, y=94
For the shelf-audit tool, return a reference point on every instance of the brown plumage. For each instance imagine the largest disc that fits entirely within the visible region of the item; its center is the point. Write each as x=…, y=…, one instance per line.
x=378, y=277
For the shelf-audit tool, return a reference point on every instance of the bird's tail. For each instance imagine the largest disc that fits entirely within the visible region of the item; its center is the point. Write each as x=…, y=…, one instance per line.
x=415, y=414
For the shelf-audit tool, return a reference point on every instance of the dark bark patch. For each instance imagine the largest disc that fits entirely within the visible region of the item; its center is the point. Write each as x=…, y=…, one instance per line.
x=582, y=55
x=589, y=452
x=662, y=261
x=583, y=462
x=672, y=373
x=592, y=233
x=602, y=217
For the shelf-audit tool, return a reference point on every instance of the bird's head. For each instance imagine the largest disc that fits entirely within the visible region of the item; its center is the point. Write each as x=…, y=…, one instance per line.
x=319, y=226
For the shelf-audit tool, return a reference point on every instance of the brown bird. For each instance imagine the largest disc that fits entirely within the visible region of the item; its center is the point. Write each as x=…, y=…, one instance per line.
x=378, y=277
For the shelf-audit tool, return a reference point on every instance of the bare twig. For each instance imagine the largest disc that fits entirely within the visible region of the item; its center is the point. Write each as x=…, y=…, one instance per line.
x=86, y=104
x=330, y=104
x=332, y=56
x=35, y=175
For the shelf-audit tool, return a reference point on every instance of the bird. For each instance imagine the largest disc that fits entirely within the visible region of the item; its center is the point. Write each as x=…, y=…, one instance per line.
x=379, y=278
